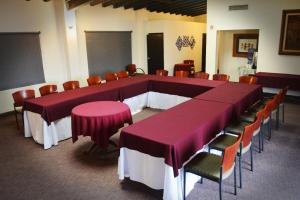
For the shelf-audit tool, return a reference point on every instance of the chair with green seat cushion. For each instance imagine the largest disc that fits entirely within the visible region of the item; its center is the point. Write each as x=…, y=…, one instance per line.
x=214, y=167
x=222, y=141
x=238, y=126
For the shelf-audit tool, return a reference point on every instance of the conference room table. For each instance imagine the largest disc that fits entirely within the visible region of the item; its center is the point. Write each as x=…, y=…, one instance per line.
x=164, y=142
x=240, y=95
x=278, y=80
x=99, y=120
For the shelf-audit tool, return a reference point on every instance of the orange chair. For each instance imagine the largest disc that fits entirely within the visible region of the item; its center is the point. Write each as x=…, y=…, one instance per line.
x=94, y=80
x=202, y=75
x=110, y=77
x=224, y=140
x=48, y=89
x=71, y=85
x=248, y=79
x=214, y=167
x=281, y=101
x=182, y=74
x=19, y=98
x=161, y=72
x=122, y=74
x=221, y=77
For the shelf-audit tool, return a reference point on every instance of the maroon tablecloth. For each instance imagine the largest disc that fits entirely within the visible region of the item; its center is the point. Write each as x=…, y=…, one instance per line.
x=278, y=80
x=100, y=120
x=178, y=133
x=56, y=106
x=187, y=87
x=240, y=95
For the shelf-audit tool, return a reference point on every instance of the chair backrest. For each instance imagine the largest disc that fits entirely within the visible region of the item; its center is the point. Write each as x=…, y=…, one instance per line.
x=22, y=95
x=71, y=85
x=202, y=75
x=181, y=73
x=221, y=77
x=48, y=89
x=283, y=93
x=248, y=79
x=248, y=134
x=131, y=68
x=266, y=110
x=110, y=77
x=122, y=74
x=257, y=122
x=230, y=154
x=274, y=102
x=94, y=80
x=188, y=62
x=161, y=72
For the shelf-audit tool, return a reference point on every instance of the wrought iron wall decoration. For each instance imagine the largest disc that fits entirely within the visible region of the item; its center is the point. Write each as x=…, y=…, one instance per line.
x=185, y=41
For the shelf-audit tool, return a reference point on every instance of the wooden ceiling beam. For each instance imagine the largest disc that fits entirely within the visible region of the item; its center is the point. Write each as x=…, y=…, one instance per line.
x=75, y=3
x=96, y=2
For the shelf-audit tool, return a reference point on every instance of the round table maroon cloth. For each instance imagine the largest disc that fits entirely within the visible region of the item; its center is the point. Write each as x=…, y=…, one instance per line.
x=100, y=120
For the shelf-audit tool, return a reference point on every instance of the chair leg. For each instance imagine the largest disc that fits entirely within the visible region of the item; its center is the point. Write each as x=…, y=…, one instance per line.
x=220, y=184
x=282, y=112
x=16, y=116
x=262, y=138
x=240, y=168
x=277, y=118
x=251, y=155
x=259, y=141
x=235, y=177
x=184, y=184
x=270, y=127
x=201, y=180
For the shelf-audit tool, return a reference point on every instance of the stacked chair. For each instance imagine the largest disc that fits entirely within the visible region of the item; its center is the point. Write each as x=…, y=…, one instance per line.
x=182, y=73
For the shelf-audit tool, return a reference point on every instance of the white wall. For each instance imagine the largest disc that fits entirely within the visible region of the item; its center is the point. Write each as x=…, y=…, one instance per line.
x=98, y=18
x=62, y=35
x=171, y=31
x=33, y=16
x=264, y=15
x=227, y=63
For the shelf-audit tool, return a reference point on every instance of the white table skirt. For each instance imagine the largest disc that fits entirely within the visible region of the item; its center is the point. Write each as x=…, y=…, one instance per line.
x=153, y=172
x=35, y=126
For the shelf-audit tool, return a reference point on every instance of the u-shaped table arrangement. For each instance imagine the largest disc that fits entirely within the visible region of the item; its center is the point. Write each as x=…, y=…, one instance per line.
x=154, y=150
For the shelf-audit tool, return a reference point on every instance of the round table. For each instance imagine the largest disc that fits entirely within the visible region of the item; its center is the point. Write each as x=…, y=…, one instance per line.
x=100, y=120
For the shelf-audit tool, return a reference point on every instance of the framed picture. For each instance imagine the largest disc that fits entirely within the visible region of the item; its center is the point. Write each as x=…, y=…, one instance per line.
x=290, y=33
x=243, y=42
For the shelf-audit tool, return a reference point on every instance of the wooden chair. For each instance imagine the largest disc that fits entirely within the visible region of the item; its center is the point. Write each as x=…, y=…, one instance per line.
x=131, y=68
x=71, y=85
x=93, y=80
x=161, y=72
x=202, y=75
x=19, y=98
x=110, y=77
x=191, y=62
x=248, y=79
x=221, y=77
x=122, y=74
x=225, y=140
x=182, y=74
x=214, y=167
x=48, y=89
